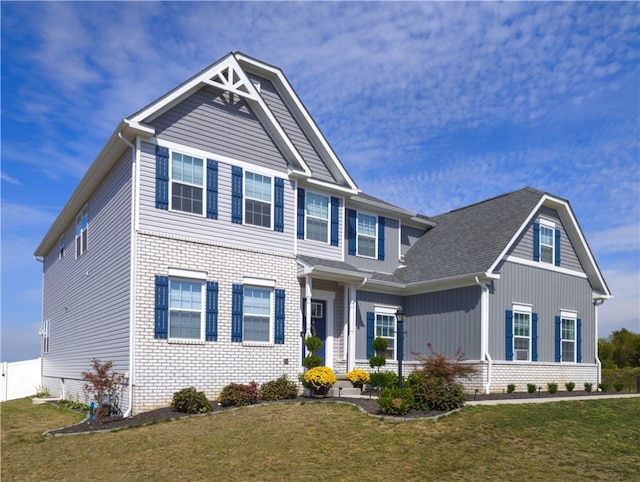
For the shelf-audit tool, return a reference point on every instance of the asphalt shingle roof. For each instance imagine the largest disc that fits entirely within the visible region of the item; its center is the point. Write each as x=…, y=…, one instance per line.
x=468, y=240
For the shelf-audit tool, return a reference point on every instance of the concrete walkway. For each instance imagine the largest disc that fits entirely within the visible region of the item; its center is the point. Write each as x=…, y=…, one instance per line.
x=551, y=399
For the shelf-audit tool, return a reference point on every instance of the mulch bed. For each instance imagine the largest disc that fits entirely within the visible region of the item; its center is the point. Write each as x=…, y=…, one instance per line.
x=368, y=405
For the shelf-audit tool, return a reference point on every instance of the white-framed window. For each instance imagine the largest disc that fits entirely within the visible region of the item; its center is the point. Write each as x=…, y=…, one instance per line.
x=317, y=217
x=257, y=314
x=568, y=338
x=522, y=335
x=385, y=327
x=186, y=301
x=258, y=198
x=61, y=247
x=546, y=244
x=187, y=181
x=45, y=336
x=367, y=235
x=82, y=228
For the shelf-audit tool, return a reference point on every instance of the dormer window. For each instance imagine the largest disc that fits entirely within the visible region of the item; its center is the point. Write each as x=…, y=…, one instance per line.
x=546, y=244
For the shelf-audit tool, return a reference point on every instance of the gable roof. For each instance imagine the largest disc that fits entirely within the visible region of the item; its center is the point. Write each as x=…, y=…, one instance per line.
x=473, y=240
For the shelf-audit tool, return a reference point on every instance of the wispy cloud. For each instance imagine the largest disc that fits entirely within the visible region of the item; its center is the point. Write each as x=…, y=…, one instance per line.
x=11, y=180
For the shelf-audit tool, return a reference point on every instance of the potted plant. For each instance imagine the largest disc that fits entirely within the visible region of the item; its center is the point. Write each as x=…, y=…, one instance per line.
x=319, y=380
x=358, y=378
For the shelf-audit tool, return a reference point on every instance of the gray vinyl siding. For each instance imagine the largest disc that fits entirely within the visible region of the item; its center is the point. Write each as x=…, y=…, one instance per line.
x=409, y=235
x=366, y=301
x=523, y=247
x=293, y=130
x=391, y=250
x=220, y=230
x=222, y=123
x=548, y=292
x=324, y=250
x=449, y=320
x=87, y=299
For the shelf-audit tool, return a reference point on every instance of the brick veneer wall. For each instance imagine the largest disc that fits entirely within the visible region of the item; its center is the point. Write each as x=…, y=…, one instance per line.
x=163, y=367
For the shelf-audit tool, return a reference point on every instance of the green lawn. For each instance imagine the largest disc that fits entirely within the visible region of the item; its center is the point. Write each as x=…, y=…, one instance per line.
x=595, y=440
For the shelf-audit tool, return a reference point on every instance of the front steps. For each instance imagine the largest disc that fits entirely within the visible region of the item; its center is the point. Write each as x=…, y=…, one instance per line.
x=344, y=388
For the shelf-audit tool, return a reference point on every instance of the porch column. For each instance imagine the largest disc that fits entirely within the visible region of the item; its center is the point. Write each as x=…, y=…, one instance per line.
x=307, y=303
x=351, y=359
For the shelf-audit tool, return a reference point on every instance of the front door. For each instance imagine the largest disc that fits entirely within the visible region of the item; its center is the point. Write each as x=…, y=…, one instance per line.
x=319, y=324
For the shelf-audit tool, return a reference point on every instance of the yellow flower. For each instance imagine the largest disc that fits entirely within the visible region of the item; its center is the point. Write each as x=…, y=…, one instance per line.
x=320, y=377
x=358, y=377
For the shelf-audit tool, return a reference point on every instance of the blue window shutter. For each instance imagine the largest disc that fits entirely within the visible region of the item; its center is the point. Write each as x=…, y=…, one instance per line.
x=236, y=312
x=579, y=340
x=278, y=336
x=162, y=308
x=211, y=322
x=351, y=231
x=162, y=177
x=557, y=248
x=558, y=339
x=278, y=204
x=371, y=332
x=381, y=238
x=212, y=189
x=301, y=209
x=509, y=335
x=236, y=194
x=335, y=220
x=536, y=241
x=534, y=337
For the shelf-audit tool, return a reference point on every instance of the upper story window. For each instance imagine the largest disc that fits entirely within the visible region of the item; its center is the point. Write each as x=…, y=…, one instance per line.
x=546, y=242
x=187, y=179
x=366, y=237
x=258, y=200
x=185, y=309
x=45, y=336
x=317, y=217
x=82, y=228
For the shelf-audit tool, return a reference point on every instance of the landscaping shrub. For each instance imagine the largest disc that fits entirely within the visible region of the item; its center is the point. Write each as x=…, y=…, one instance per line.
x=569, y=386
x=531, y=387
x=384, y=379
x=603, y=387
x=100, y=382
x=280, y=389
x=380, y=347
x=437, y=365
x=313, y=344
x=435, y=393
x=188, y=400
x=319, y=378
x=395, y=401
x=511, y=388
x=618, y=386
x=627, y=376
x=239, y=395
x=552, y=387
x=358, y=378
x=588, y=386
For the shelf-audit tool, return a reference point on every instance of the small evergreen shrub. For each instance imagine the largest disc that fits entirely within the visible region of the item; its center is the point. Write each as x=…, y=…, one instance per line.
x=569, y=386
x=312, y=361
x=377, y=361
x=188, y=400
x=618, y=386
x=313, y=344
x=511, y=388
x=552, y=387
x=280, y=389
x=239, y=395
x=384, y=379
x=603, y=387
x=395, y=401
x=435, y=394
x=531, y=387
x=588, y=386
x=380, y=345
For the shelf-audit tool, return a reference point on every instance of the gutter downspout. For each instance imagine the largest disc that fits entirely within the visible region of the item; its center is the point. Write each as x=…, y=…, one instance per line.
x=484, y=332
x=351, y=355
x=132, y=274
x=39, y=260
x=597, y=303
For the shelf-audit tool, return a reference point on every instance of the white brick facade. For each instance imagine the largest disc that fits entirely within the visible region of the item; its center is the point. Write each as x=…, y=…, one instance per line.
x=163, y=367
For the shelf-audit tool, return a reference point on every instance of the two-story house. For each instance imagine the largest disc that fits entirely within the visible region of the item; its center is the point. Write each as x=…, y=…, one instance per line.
x=216, y=227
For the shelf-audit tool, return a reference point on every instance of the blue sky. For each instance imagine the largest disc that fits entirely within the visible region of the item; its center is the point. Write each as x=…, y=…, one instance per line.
x=430, y=106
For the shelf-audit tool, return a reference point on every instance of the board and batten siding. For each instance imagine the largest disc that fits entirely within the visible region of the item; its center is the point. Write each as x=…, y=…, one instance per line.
x=449, y=320
x=293, y=130
x=221, y=230
x=408, y=237
x=221, y=122
x=391, y=250
x=547, y=292
x=87, y=299
x=367, y=301
x=523, y=247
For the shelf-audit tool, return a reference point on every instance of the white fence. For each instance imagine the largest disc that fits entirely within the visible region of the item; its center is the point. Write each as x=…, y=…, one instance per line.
x=20, y=379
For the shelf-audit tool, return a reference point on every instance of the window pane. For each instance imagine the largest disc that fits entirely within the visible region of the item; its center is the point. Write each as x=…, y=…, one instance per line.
x=185, y=295
x=186, y=169
x=546, y=244
x=366, y=225
x=546, y=235
x=568, y=329
x=317, y=206
x=257, y=314
x=521, y=324
x=568, y=352
x=258, y=213
x=366, y=246
x=186, y=198
x=258, y=187
x=317, y=229
x=184, y=324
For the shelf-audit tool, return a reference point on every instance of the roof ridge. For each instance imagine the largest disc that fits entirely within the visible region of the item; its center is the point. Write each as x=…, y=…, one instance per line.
x=499, y=196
